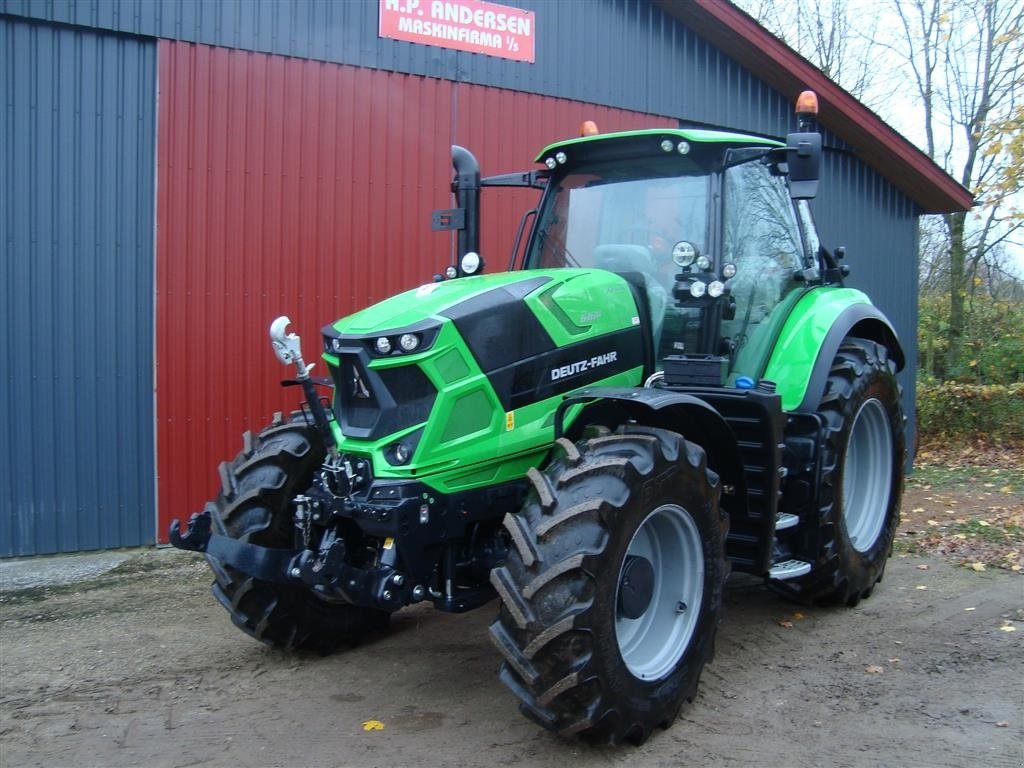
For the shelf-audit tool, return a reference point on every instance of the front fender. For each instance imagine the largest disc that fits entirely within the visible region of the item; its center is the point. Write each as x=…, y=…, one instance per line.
x=811, y=337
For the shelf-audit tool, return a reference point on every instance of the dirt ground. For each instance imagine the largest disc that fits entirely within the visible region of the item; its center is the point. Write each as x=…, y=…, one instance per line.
x=142, y=667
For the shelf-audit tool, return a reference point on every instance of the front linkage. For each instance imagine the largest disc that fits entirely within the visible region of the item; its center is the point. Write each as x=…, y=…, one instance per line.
x=350, y=528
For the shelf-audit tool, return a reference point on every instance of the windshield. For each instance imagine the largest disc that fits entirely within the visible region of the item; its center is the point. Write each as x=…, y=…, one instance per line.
x=623, y=218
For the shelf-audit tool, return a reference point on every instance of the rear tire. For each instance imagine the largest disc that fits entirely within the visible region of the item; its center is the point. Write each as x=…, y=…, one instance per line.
x=255, y=505
x=596, y=642
x=862, y=477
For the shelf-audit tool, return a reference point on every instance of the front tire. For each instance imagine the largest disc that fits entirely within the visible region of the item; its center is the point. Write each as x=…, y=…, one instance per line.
x=255, y=505
x=612, y=591
x=862, y=477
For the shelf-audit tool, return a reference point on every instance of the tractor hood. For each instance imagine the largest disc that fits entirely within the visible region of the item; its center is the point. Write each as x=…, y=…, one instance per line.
x=430, y=300
x=567, y=302
x=467, y=371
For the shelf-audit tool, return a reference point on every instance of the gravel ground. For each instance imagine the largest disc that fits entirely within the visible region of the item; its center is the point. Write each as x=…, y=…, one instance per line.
x=140, y=666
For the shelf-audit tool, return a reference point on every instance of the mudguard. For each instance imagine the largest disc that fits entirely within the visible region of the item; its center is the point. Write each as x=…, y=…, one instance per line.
x=809, y=340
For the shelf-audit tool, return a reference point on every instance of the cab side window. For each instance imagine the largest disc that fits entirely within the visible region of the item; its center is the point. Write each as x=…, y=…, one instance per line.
x=761, y=236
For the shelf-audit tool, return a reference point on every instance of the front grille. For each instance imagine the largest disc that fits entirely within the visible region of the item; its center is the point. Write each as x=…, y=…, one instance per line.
x=370, y=404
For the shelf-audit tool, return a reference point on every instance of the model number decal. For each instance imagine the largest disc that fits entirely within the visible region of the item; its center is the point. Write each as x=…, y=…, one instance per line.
x=580, y=366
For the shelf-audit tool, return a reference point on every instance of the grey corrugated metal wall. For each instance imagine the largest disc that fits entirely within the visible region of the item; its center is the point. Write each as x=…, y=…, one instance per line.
x=877, y=223
x=622, y=53
x=76, y=329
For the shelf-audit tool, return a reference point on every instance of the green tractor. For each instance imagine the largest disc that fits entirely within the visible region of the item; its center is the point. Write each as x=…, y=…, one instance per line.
x=670, y=382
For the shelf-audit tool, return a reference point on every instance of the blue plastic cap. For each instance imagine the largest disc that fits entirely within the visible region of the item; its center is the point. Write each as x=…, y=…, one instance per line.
x=744, y=382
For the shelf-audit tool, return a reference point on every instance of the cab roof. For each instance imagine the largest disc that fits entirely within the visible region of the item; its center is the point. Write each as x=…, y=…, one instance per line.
x=691, y=135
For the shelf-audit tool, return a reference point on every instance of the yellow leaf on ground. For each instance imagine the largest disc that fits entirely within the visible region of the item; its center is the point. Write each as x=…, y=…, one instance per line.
x=373, y=725
x=920, y=586
x=1008, y=628
x=917, y=509
x=933, y=522
x=978, y=566
x=1006, y=489
x=922, y=567
x=873, y=669
x=786, y=623
x=970, y=609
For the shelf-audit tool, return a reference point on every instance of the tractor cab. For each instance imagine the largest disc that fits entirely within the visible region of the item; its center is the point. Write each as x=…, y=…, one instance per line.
x=700, y=222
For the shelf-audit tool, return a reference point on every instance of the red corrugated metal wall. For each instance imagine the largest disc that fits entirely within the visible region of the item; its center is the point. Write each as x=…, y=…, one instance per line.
x=288, y=186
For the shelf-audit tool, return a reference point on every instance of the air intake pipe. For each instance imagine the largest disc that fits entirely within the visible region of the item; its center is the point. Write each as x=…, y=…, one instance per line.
x=466, y=186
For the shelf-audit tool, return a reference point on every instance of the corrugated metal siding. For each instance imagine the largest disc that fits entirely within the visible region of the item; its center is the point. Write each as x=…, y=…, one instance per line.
x=878, y=225
x=621, y=53
x=76, y=219
x=304, y=188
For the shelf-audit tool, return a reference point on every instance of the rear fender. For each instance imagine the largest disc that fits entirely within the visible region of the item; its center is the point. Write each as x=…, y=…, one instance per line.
x=811, y=337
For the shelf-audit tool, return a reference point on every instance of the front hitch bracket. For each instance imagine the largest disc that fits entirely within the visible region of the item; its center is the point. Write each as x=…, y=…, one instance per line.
x=378, y=587
x=265, y=563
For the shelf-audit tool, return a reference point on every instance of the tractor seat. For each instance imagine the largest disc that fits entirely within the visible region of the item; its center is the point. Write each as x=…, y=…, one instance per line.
x=623, y=258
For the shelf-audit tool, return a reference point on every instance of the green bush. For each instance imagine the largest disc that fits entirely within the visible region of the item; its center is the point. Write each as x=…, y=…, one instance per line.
x=992, y=413
x=993, y=341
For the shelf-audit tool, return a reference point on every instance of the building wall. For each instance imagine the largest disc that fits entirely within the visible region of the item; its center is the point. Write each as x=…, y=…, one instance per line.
x=877, y=223
x=621, y=53
x=76, y=288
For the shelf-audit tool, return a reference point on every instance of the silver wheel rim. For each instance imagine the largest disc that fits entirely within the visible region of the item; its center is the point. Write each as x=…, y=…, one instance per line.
x=867, y=475
x=652, y=644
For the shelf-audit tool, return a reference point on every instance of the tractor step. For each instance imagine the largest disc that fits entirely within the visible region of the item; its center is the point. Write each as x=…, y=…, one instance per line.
x=789, y=569
x=785, y=520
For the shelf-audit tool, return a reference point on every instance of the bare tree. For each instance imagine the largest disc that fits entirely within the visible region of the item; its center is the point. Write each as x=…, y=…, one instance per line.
x=965, y=60
x=962, y=60
x=836, y=36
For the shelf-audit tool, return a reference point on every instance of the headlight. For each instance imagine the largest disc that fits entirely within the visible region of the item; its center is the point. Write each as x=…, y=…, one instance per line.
x=408, y=342
x=715, y=289
x=697, y=289
x=683, y=253
x=451, y=272
x=471, y=263
x=550, y=163
x=398, y=453
x=383, y=345
x=703, y=263
x=728, y=270
x=561, y=158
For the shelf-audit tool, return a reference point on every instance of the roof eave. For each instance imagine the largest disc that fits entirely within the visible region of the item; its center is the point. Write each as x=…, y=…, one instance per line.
x=739, y=36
